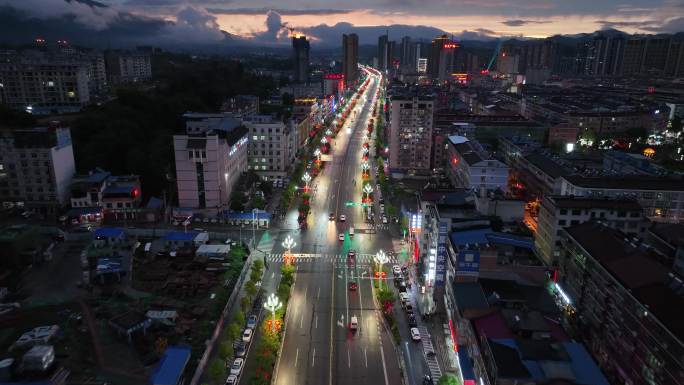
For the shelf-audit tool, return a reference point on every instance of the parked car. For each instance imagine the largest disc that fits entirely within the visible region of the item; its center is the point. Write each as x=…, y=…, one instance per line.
x=236, y=367
x=384, y=220
x=412, y=321
x=252, y=321
x=240, y=349
x=232, y=380
x=415, y=334
x=247, y=335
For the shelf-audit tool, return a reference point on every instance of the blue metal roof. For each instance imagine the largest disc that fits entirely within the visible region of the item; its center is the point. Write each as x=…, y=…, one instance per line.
x=585, y=369
x=470, y=237
x=180, y=236
x=247, y=216
x=109, y=232
x=171, y=366
x=466, y=365
x=511, y=240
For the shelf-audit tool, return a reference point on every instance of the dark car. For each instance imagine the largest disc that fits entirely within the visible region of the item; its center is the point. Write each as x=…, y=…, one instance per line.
x=331, y=216
x=240, y=349
x=405, y=270
x=412, y=321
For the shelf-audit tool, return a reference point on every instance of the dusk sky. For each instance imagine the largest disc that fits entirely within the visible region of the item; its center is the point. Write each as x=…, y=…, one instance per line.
x=262, y=21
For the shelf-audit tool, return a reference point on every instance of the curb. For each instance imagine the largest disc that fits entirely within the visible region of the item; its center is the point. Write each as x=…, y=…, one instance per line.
x=282, y=343
x=397, y=352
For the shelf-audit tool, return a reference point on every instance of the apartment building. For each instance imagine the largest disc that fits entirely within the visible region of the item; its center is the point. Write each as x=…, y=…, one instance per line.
x=273, y=146
x=128, y=66
x=410, y=133
x=210, y=158
x=561, y=211
x=42, y=84
x=36, y=168
x=661, y=198
x=471, y=167
x=624, y=304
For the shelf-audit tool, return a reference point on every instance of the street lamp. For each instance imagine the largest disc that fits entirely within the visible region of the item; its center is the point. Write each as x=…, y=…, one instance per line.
x=324, y=140
x=380, y=258
x=273, y=304
x=306, y=178
x=328, y=132
x=289, y=243
x=368, y=189
x=365, y=166
x=317, y=153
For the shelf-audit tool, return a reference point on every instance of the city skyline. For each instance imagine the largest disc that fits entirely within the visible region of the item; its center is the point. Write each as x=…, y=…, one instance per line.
x=205, y=22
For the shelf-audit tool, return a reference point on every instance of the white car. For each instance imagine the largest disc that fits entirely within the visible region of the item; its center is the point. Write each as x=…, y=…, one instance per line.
x=247, y=335
x=384, y=219
x=396, y=270
x=231, y=380
x=415, y=335
x=236, y=368
x=403, y=297
x=343, y=218
x=341, y=237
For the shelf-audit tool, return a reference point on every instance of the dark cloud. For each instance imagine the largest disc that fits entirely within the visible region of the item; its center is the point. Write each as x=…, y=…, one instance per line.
x=670, y=26
x=521, y=22
x=283, y=12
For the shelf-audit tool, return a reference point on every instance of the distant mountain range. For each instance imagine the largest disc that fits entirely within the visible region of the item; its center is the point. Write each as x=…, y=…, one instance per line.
x=197, y=31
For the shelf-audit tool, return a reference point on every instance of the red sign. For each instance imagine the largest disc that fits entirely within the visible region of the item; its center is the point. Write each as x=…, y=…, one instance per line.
x=333, y=76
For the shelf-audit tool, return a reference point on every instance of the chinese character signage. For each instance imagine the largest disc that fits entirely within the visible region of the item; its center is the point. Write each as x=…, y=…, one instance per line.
x=441, y=254
x=468, y=263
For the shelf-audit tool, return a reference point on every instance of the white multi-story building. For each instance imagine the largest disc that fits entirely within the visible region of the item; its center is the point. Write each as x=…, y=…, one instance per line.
x=128, y=66
x=662, y=198
x=410, y=134
x=272, y=146
x=36, y=168
x=471, y=167
x=210, y=158
x=561, y=211
x=43, y=84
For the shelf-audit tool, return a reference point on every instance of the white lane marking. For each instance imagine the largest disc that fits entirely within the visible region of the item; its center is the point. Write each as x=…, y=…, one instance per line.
x=384, y=368
x=296, y=357
x=301, y=321
x=365, y=355
x=318, y=295
x=348, y=357
x=305, y=290
x=273, y=275
x=313, y=358
x=316, y=322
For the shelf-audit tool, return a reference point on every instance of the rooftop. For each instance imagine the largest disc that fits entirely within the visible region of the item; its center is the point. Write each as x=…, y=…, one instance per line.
x=629, y=182
x=171, y=366
x=580, y=202
x=180, y=236
x=635, y=269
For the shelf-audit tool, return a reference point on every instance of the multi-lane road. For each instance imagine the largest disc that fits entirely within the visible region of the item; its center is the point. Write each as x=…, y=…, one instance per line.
x=319, y=347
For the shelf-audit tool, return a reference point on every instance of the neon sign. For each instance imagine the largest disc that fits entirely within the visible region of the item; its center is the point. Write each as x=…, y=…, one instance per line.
x=237, y=146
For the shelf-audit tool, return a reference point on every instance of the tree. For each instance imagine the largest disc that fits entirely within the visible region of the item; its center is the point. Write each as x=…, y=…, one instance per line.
x=287, y=272
x=239, y=317
x=449, y=379
x=217, y=370
x=245, y=302
x=233, y=330
x=250, y=288
x=258, y=203
x=386, y=298
x=258, y=265
x=226, y=350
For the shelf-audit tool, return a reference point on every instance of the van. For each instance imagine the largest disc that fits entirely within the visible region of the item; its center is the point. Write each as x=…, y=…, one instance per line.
x=354, y=324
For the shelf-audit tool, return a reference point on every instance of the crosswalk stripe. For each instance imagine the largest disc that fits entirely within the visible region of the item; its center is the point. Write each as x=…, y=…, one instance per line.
x=361, y=258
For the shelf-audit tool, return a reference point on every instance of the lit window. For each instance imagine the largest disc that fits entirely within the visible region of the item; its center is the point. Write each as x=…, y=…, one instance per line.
x=255, y=137
x=71, y=94
x=51, y=83
x=263, y=137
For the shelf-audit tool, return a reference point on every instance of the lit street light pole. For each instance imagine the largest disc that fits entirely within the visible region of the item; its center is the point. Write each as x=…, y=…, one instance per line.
x=289, y=243
x=273, y=304
x=306, y=178
x=380, y=258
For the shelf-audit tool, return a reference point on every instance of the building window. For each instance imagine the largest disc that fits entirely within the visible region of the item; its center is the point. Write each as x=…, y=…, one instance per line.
x=562, y=222
x=564, y=212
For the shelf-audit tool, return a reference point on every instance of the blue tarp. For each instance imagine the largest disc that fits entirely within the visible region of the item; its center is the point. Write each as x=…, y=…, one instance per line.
x=171, y=366
x=470, y=237
x=466, y=365
x=248, y=216
x=180, y=236
x=108, y=232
